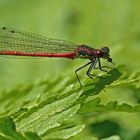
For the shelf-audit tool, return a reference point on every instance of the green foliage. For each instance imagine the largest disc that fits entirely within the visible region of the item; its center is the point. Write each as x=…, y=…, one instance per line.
x=54, y=115
x=8, y=131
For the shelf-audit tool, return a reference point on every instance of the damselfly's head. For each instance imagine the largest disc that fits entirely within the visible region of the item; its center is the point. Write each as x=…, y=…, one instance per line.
x=105, y=51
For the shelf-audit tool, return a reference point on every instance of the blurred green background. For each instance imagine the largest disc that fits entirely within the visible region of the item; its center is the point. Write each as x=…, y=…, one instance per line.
x=95, y=23
x=115, y=23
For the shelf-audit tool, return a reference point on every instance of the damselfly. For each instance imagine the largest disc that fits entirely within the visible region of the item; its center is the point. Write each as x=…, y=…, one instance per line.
x=21, y=43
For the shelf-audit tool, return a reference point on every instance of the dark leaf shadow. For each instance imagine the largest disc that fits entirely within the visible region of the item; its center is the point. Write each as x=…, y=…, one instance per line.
x=99, y=84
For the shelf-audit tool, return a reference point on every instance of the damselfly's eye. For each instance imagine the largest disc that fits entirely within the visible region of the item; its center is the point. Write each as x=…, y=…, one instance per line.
x=105, y=50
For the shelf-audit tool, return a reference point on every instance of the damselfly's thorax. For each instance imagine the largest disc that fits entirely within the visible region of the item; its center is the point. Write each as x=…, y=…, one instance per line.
x=84, y=51
x=87, y=52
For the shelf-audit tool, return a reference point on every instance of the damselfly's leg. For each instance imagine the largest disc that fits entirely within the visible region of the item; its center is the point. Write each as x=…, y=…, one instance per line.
x=100, y=67
x=80, y=69
x=92, y=66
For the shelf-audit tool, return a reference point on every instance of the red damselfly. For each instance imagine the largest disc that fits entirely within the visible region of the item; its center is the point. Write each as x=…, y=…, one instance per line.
x=21, y=43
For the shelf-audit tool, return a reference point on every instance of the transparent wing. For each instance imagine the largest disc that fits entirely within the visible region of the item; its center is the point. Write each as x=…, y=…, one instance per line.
x=17, y=40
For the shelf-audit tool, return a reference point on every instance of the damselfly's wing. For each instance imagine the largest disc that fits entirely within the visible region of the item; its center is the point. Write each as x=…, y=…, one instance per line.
x=20, y=41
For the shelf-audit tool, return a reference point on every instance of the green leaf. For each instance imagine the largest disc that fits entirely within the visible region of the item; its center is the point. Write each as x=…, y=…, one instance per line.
x=112, y=138
x=65, y=133
x=32, y=136
x=8, y=131
x=95, y=105
x=50, y=116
